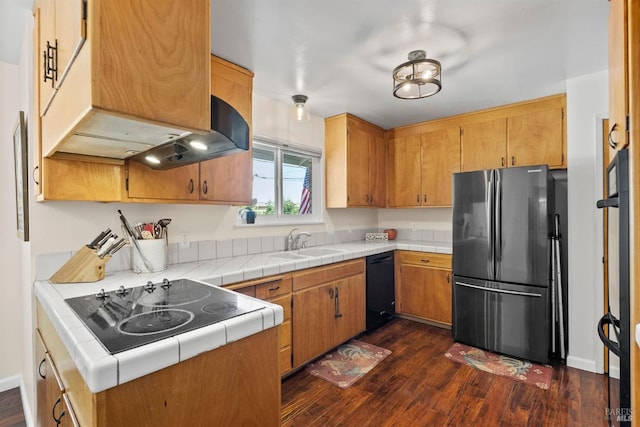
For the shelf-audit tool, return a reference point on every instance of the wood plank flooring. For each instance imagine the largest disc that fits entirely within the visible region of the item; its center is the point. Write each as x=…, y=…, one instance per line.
x=11, y=414
x=417, y=386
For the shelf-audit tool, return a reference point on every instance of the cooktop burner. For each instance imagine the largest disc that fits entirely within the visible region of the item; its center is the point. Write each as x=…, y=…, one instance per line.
x=128, y=318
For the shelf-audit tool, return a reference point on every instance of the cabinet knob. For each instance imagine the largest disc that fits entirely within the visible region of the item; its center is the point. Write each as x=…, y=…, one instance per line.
x=274, y=289
x=502, y=161
x=425, y=198
x=191, y=186
x=50, y=62
x=426, y=261
x=448, y=277
x=417, y=198
x=513, y=160
x=57, y=419
x=43, y=376
x=205, y=187
x=35, y=175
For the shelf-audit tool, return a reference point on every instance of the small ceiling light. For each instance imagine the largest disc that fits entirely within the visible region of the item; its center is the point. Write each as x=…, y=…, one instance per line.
x=299, y=112
x=417, y=78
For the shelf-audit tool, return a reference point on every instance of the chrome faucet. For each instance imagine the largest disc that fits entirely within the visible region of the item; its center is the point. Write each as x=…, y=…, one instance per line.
x=292, y=241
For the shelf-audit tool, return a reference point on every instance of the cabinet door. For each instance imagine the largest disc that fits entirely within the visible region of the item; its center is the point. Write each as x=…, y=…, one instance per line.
x=358, y=142
x=536, y=138
x=425, y=293
x=63, y=179
x=618, y=75
x=173, y=184
x=313, y=319
x=405, y=172
x=45, y=22
x=377, y=170
x=440, y=159
x=227, y=179
x=70, y=33
x=350, y=310
x=484, y=145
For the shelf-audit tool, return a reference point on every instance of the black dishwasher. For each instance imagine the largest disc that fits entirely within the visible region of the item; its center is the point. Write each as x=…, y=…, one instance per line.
x=380, y=290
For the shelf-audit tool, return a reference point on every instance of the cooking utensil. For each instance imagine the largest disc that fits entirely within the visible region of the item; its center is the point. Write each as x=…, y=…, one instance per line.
x=163, y=223
x=131, y=233
x=107, y=245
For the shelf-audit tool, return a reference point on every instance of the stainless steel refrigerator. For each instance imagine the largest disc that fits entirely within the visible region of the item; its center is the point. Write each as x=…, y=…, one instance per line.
x=502, y=260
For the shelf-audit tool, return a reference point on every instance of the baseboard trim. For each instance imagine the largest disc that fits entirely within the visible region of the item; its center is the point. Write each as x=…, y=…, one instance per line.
x=582, y=364
x=10, y=382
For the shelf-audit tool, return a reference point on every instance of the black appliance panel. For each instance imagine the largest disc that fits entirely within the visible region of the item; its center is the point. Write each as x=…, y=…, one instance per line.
x=380, y=287
x=506, y=318
x=128, y=318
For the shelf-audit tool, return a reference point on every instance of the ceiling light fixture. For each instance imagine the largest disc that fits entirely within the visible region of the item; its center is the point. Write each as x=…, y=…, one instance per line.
x=299, y=112
x=417, y=78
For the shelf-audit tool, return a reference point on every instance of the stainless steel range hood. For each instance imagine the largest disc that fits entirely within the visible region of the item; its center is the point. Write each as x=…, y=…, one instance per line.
x=229, y=134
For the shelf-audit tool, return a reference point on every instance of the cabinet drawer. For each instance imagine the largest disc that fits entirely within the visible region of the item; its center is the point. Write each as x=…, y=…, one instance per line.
x=426, y=259
x=285, y=303
x=285, y=335
x=273, y=288
x=319, y=275
x=247, y=290
x=285, y=360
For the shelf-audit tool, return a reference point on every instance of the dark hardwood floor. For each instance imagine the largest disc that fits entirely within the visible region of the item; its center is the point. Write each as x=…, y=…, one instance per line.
x=11, y=414
x=418, y=386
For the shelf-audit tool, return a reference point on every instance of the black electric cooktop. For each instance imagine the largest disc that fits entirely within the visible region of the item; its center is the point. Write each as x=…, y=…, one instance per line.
x=131, y=317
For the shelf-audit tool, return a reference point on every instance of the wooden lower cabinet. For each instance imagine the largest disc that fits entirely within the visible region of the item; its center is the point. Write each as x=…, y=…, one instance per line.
x=53, y=406
x=276, y=290
x=423, y=286
x=237, y=384
x=328, y=308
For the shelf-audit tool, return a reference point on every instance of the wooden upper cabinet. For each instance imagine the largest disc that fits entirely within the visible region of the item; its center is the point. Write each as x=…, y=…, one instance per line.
x=420, y=168
x=229, y=179
x=355, y=163
x=405, y=171
x=536, y=138
x=142, y=72
x=180, y=183
x=440, y=159
x=222, y=180
x=618, y=74
x=484, y=145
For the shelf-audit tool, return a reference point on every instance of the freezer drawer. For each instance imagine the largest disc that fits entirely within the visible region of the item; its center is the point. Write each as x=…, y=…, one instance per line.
x=503, y=318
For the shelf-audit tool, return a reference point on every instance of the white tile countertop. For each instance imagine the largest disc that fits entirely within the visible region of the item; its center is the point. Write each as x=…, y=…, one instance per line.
x=102, y=370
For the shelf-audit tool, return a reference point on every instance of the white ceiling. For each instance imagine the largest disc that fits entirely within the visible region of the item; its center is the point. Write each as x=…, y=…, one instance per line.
x=341, y=53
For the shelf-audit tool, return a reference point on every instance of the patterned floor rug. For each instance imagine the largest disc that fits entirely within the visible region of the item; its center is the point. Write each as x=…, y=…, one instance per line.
x=527, y=372
x=348, y=363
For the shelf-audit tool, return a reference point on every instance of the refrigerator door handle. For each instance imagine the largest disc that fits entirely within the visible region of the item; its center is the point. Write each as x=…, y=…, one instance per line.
x=500, y=291
x=497, y=244
x=490, y=231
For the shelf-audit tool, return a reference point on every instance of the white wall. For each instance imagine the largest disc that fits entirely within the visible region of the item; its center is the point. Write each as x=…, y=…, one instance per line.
x=587, y=104
x=10, y=244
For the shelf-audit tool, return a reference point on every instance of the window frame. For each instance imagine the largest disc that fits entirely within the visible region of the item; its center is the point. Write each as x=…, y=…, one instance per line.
x=317, y=183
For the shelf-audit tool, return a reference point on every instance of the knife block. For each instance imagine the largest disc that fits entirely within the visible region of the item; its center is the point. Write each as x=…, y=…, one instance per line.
x=84, y=266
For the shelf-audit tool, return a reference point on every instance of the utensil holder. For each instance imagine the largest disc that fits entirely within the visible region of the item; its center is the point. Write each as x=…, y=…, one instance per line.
x=84, y=266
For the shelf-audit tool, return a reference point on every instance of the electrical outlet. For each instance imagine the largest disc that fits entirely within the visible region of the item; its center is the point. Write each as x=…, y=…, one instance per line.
x=184, y=241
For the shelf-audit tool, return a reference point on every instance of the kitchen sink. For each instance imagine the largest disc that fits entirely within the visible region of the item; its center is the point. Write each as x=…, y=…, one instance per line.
x=318, y=251
x=305, y=253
